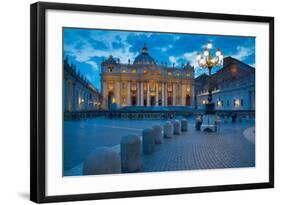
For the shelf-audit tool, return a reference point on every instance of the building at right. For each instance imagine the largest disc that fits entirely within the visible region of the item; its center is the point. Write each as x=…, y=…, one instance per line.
x=233, y=87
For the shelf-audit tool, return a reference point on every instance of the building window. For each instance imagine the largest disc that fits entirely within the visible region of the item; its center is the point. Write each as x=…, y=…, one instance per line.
x=144, y=71
x=187, y=74
x=178, y=74
x=203, y=102
x=170, y=73
x=236, y=102
x=227, y=102
x=110, y=70
x=134, y=71
x=242, y=102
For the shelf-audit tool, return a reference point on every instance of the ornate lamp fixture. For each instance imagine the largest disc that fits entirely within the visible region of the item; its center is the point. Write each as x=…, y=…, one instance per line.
x=207, y=60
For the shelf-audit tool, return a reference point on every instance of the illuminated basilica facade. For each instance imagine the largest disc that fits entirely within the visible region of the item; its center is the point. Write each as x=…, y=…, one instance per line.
x=144, y=82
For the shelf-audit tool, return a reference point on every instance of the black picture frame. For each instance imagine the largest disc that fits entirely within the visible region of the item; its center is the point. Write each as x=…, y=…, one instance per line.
x=38, y=101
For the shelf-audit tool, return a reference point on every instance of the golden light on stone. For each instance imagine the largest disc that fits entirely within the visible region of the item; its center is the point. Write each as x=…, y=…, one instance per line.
x=170, y=88
x=134, y=86
x=110, y=86
x=113, y=100
x=152, y=85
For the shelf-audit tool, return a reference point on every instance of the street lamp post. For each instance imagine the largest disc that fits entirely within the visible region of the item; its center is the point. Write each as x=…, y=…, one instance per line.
x=207, y=60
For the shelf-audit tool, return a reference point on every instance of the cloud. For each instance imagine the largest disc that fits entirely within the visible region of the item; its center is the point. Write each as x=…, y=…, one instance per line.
x=93, y=64
x=253, y=65
x=87, y=51
x=173, y=60
x=191, y=58
x=243, y=53
x=89, y=46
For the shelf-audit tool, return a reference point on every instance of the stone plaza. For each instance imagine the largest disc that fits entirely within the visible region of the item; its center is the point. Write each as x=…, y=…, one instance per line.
x=232, y=146
x=148, y=116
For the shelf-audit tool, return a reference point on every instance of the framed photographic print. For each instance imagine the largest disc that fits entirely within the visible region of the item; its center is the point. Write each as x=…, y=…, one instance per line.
x=129, y=102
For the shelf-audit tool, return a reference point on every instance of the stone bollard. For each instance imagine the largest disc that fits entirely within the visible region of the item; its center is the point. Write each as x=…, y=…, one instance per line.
x=240, y=118
x=130, y=153
x=198, y=123
x=102, y=160
x=225, y=119
x=177, y=127
x=184, y=125
x=248, y=118
x=157, y=129
x=148, y=141
x=168, y=130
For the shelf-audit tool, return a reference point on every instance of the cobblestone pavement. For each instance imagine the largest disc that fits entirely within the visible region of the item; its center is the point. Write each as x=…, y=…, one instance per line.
x=202, y=150
x=191, y=150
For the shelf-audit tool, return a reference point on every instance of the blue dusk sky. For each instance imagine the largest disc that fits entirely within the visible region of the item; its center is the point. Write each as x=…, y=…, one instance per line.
x=87, y=47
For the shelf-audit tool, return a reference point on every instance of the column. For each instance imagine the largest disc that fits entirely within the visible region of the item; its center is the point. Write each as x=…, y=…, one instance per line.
x=192, y=96
x=141, y=94
x=174, y=94
x=183, y=92
x=163, y=92
x=74, y=97
x=148, y=95
x=138, y=93
x=117, y=93
x=65, y=92
x=156, y=94
x=69, y=96
x=166, y=94
x=104, y=95
x=129, y=93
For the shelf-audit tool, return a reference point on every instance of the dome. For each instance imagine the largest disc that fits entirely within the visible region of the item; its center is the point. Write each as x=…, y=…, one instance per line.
x=144, y=57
